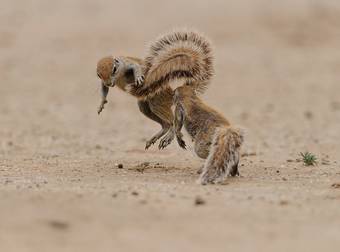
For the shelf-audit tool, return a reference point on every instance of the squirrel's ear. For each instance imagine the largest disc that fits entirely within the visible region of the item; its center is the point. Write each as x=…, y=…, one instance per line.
x=129, y=75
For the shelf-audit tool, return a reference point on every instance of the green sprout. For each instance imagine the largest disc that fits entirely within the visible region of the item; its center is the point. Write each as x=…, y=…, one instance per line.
x=308, y=158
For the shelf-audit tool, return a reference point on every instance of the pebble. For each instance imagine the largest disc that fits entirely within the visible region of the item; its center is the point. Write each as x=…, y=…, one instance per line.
x=119, y=166
x=199, y=201
x=134, y=193
x=308, y=115
x=283, y=202
x=336, y=185
x=58, y=224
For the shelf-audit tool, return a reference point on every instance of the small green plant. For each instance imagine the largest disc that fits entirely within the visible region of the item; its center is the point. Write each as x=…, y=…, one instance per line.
x=308, y=158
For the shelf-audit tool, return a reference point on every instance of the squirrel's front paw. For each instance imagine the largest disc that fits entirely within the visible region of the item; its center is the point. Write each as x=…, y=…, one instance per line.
x=101, y=107
x=139, y=81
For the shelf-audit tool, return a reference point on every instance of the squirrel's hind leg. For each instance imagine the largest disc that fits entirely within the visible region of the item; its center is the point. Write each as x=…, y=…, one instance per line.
x=160, y=105
x=174, y=130
x=144, y=107
x=178, y=124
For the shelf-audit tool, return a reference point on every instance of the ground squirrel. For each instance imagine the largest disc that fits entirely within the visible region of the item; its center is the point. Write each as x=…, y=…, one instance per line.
x=214, y=138
x=179, y=55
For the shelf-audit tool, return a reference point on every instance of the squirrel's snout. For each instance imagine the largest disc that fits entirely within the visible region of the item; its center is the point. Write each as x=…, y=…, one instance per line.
x=108, y=83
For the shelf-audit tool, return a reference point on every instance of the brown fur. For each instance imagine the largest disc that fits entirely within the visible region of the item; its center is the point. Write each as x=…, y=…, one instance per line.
x=104, y=68
x=180, y=55
x=214, y=138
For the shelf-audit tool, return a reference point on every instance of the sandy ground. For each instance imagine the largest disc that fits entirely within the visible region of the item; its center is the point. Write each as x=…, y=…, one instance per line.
x=277, y=76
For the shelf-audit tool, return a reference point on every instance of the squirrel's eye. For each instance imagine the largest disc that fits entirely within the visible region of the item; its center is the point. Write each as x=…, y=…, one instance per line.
x=114, y=69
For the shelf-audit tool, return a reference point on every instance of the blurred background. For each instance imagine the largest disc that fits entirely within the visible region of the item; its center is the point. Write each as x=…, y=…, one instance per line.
x=271, y=57
x=277, y=76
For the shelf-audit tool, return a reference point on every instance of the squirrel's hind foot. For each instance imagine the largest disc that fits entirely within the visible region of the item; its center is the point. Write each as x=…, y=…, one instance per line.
x=165, y=141
x=154, y=139
x=180, y=141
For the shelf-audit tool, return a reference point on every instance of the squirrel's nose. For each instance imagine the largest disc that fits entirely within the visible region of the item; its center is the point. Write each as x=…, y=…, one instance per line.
x=108, y=83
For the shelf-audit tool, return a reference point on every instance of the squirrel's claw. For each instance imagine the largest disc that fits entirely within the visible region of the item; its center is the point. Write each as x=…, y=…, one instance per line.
x=165, y=141
x=180, y=141
x=101, y=107
x=152, y=141
x=139, y=81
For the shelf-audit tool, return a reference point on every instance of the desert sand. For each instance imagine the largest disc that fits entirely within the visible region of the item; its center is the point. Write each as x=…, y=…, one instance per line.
x=277, y=76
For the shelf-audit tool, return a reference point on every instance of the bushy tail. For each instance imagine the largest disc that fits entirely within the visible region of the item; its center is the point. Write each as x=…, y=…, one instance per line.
x=179, y=55
x=223, y=156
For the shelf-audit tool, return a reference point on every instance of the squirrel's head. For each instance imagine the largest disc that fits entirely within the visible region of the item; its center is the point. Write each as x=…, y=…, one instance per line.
x=107, y=69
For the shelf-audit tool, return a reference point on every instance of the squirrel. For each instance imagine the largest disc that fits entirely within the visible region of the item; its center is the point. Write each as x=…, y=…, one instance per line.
x=214, y=138
x=179, y=55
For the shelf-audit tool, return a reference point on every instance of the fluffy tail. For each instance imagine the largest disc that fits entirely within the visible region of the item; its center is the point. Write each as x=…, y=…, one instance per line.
x=223, y=156
x=179, y=55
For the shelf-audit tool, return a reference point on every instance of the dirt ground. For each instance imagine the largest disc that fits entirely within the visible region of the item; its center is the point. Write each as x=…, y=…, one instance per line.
x=277, y=76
